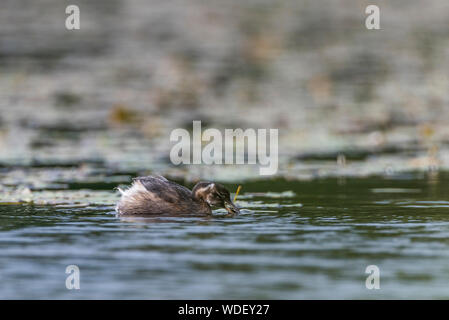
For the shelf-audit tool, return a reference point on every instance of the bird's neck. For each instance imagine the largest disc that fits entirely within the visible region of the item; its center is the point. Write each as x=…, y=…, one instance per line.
x=204, y=206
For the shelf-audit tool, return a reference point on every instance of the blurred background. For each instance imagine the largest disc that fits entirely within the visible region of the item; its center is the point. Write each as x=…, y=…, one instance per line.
x=346, y=100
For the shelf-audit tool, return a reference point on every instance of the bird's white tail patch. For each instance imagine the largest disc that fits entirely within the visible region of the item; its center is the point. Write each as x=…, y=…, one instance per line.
x=136, y=188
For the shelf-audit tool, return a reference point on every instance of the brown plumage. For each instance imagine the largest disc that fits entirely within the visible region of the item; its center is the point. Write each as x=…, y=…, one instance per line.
x=156, y=195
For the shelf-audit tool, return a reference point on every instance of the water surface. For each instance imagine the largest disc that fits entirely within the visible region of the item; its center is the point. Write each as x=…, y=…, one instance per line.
x=293, y=240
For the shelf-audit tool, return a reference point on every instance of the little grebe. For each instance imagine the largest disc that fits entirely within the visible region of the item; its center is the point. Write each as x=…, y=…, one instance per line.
x=157, y=195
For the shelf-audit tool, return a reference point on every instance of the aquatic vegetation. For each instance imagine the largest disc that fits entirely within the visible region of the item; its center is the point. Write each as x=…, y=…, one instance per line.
x=66, y=99
x=60, y=197
x=237, y=192
x=122, y=114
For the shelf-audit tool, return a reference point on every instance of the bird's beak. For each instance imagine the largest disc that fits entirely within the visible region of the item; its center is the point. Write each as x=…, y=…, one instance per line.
x=231, y=208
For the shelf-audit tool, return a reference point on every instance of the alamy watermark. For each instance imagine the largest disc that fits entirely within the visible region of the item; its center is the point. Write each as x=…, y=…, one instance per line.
x=190, y=150
x=373, y=280
x=72, y=22
x=372, y=21
x=73, y=280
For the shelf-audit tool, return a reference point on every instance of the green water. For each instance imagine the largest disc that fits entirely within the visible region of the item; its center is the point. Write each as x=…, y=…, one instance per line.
x=293, y=240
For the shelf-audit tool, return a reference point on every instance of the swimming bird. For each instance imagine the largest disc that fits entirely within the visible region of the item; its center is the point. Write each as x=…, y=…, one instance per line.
x=153, y=195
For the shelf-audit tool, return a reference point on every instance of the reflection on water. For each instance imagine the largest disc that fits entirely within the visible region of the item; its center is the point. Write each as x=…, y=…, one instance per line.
x=292, y=240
